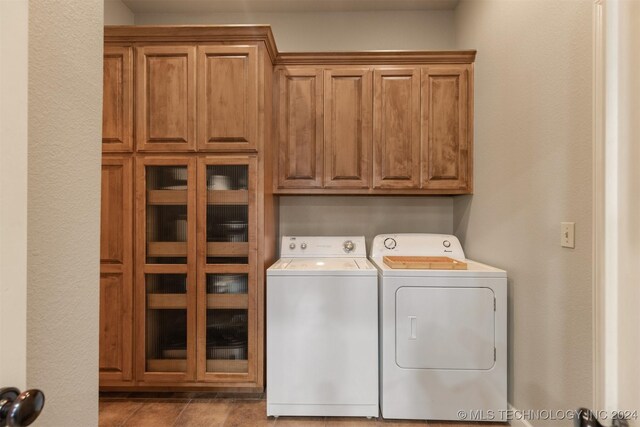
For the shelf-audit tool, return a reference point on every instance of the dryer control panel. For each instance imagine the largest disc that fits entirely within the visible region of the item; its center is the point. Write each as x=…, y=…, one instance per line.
x=417, y=244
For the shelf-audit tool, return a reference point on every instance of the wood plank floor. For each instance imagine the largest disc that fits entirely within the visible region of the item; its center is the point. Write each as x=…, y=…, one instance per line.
x=224, y=410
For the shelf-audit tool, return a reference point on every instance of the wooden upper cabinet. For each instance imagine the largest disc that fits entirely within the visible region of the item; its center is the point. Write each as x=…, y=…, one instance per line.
x=165, y=98
x=300, y=128
x=445, y=128
x=116, y=270
x=396, y=128
x=227, y=98
x=347, y=128
x=117, y=100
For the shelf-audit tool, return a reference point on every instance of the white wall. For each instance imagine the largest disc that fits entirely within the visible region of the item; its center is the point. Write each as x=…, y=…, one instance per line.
x=117, y=13
x=533, y=169
x=336, y=31
x=63, y=224
x=14, y=30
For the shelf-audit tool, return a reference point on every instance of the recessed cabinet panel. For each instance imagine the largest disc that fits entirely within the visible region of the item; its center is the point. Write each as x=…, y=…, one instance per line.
x=445, y=153
x=227, y=98
x=396, y=128
x=165, y=98
x=115, y=214
x=116, y=320
x=347, y=121
x=300, y=128
x=117, y=101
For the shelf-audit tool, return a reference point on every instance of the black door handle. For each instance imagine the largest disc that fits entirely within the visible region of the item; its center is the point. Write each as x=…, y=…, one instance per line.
x=19, y=409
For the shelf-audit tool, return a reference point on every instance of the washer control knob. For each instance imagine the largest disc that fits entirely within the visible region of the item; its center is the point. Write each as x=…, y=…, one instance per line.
x=303, y=246
x=292, y=245
x=348, y=246
x=446, y=243
x=390, y=243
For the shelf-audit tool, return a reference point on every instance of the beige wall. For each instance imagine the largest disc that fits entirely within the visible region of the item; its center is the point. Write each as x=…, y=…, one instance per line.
x=533, y=169
x=625, y=122
x=368, y=216
x=117, y=13
x=14, y=30
x=331, y=31
x=65, y=125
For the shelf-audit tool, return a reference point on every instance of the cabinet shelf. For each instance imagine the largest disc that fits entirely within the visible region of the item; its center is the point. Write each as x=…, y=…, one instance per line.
x=180, y=365
x=214, y=249
x=227, y=301
x=179, y=301
x=214, y=197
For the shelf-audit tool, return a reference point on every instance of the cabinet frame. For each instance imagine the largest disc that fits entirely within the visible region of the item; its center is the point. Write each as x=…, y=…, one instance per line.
x=144, y=141
x=463, y=134
x=364, y=123
x=203, y=268
x=122, y=140
x=143, y=269
x=249, y=140
x=124, y=269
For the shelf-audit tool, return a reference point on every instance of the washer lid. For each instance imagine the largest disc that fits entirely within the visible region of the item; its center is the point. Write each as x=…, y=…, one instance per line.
x=315, y=266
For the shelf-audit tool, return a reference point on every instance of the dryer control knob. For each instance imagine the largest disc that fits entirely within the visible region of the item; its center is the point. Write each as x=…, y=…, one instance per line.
x=303, y=246
x=292, y=246
x=446, y=243
x=390, y=243
x=348, y=246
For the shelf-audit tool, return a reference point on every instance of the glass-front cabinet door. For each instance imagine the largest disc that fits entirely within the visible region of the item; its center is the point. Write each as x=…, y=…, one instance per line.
x=166, y=289
x=227, y=251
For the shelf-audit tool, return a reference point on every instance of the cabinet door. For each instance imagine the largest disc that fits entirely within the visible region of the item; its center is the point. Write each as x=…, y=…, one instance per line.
x=227, y=98
x=165, y=98
x=347, y=128
x=445, y=127
x=165, y=269
x=116, y=260
x=300, y=128
x=227, y=266
x=117, y=100
x=396, y=128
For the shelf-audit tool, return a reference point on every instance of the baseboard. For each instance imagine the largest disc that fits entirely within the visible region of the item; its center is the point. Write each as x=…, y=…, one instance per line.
x=518, y=423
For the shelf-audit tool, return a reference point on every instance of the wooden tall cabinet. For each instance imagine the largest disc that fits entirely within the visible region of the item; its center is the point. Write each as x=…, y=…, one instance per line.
x=188, y=211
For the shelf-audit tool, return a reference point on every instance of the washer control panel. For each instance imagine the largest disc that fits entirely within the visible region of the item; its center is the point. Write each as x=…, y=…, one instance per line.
x=323, y=246
x=417, y=244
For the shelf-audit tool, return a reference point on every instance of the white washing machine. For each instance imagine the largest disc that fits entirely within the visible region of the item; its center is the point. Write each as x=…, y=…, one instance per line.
x=443, y=333
x=322, y=329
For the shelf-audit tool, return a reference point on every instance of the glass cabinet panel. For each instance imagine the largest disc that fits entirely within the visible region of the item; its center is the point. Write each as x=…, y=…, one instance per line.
x=227, y=322
x=166, y=214
x=227, y=216
x=166, y=322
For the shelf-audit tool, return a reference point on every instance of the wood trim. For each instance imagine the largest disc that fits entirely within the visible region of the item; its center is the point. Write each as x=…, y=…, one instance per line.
x=376, y=57
x=193, y=33
x=369, y=191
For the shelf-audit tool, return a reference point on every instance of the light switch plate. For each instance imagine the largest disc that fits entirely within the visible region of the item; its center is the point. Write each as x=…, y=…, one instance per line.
x=568, y=234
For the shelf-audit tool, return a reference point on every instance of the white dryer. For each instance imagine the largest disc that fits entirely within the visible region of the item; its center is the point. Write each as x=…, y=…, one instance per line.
x=443, y=333
x=322, y=329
